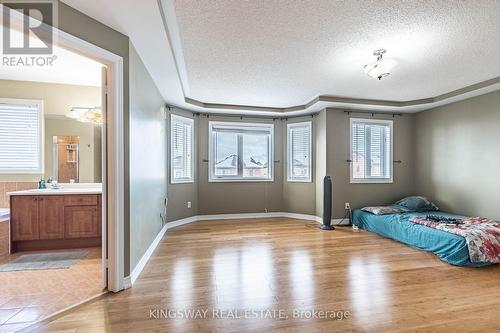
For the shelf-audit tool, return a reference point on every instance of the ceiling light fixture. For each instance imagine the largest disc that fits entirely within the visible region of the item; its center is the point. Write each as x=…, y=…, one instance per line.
x=381, y=67
x=86, y=115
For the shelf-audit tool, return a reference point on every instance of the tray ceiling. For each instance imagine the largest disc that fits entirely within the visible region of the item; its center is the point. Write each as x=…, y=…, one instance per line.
x=293, y=57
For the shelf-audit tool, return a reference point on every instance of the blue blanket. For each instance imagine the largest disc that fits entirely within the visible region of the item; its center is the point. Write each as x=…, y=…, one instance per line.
x=449, y=247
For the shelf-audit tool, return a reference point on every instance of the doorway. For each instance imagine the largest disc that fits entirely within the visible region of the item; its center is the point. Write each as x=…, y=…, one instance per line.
x=54, y=226
x=110, y=207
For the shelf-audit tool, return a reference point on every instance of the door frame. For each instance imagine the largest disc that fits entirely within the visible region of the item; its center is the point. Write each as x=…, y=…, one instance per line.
x=113, y=194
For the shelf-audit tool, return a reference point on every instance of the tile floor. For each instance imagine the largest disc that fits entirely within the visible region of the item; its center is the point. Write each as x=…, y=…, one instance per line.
x=28, y=296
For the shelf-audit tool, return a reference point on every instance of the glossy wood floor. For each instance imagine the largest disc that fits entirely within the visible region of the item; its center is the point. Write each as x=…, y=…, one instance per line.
x=286, y=264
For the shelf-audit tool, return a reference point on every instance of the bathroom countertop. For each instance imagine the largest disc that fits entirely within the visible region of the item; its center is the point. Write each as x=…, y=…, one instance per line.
x=63, y=191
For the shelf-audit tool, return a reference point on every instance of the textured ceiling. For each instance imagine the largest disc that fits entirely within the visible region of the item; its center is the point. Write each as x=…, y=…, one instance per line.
x=281, y=53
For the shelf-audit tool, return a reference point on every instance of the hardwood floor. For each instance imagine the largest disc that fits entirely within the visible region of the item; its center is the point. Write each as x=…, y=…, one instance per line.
x=382, y=285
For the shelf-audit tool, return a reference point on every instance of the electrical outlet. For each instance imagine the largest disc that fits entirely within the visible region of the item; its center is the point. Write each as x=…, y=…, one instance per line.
x=347, y=206
x=189, y=204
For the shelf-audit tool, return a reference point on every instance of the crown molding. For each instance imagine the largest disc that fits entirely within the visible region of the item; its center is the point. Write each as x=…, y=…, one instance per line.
x=414, y=105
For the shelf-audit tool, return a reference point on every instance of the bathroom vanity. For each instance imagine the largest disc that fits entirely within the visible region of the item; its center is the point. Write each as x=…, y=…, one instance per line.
x=55, y=219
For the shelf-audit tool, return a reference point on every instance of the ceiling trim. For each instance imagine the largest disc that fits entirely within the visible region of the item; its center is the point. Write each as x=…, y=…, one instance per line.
x=169, y=20
x=352, y=101
x=320, y=102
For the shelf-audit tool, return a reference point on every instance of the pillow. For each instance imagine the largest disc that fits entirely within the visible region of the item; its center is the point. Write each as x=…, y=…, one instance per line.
x=416, y=204
x=383, y=210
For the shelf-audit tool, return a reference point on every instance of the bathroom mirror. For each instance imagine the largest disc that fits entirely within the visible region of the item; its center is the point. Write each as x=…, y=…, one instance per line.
x=72, y=150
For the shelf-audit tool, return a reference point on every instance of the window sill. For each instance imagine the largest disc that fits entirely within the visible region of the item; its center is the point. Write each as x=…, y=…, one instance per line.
x=241, y=180
x=182, y=182
x=372, y=181
x=299, y=180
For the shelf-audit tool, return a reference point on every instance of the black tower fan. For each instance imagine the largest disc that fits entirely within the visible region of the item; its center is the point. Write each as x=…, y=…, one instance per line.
x=327, y=204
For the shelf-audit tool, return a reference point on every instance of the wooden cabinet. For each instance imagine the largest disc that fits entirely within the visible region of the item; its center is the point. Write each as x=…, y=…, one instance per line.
x=81, y=221
x=48, y=219
x=51, y=216
x=24, y=218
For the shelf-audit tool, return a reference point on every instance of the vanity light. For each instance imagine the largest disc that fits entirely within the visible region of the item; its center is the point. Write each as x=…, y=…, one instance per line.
x=381, y=67
x=86, y=115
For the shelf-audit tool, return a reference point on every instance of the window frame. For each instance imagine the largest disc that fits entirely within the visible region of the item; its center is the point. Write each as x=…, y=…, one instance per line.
x=41, y=135
x=290, y=177
x=189, y=121
x=388, y=180
x=211, y=158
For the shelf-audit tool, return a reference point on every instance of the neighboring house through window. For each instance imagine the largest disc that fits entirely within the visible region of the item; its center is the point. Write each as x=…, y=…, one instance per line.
x=241, y=151
x=371, y=151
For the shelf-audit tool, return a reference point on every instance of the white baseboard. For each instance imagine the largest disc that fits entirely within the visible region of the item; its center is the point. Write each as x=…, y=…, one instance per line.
x=130, y=280
x=300, y=216
x=340, y=221
x=180, y=222
x=127, y=282
x=238, y=216
x=198, y=218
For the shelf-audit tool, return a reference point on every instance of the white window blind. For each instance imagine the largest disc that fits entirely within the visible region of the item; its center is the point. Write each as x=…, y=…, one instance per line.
x=371, y=150
x=181, y=149
x=241, y=151
x=299, y=151
x=20, y=137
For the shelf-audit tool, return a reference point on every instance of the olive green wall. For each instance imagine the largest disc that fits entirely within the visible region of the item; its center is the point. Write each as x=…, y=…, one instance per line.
x=330, y=152
x=148, y=158
x=180, y=194
x=299, y=197
x=458, y=156
x=209, y=198
x=320, y=159
x=337, y=152
x=238, y=197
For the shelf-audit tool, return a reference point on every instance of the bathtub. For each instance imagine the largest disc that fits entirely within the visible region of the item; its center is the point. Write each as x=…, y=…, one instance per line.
x=4, y=214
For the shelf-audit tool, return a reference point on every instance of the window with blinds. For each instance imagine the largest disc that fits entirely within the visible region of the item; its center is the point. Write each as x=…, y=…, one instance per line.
x=299, y=151
x=371, y=151
x=181, y=149
x=241, y=151
x=20, y=137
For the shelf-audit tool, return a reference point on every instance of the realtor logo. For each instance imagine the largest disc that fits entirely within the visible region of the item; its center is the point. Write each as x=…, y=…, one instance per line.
x=27, y=26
